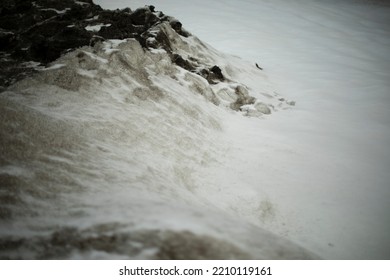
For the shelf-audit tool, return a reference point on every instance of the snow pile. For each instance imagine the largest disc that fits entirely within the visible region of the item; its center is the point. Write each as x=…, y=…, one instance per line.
x=103, y=151
x=123, y=151
x=323, y=166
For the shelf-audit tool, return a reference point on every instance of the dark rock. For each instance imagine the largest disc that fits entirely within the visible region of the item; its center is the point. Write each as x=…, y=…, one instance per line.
x=96, y=39
x=12, y=70
x=217, y=71
x=47, y=29
x=161, y=15
x=9, y=7
x=22, y=6
x=112, y=32
x=119, y=17
x=78, y=12
x=43, y=30
x=10, y=22
x=126, y=10
x=162, y=41
x=87, y=1
x=143, y=16
x=212, y=75
x=7, y=40
x=122, y=25
x=63, y=4
x=44, y=14
x=180, y=61
x=46, y=49
x=177, y=26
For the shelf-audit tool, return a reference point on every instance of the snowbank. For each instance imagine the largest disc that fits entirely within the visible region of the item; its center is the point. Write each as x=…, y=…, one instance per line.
x=108, y=153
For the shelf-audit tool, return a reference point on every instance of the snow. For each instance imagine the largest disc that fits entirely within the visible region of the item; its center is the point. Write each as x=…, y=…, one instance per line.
x=95, y=57
x=57, y=11
x=90, y=74
x=134, y=144
x=324, y=164
x=111, y=46
x=121, y=140
x=32, y=64
x=97, y=27
x=93, y=18
x=81, y=3
x=52, y=67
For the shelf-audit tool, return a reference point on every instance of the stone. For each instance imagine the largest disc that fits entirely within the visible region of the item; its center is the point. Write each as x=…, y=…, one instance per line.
x=180, y=61
x=7, y=40
x=217, y=71
x=43, y=30
x=143, y=16
x=177, y=26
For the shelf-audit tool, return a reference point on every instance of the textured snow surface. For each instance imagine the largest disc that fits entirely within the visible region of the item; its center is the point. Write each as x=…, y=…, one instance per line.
x=114, y=152
x=321, y=168
x=108, y=155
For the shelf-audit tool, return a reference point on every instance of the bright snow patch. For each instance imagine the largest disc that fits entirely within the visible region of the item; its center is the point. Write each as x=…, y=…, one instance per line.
x=53, y=67
x=94, y=18
x=97, y=27
x=81, y=3
x=111, y=46
x=57, y=11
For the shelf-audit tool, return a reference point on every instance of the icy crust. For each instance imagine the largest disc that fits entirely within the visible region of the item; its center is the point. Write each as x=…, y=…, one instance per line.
x=106, y=156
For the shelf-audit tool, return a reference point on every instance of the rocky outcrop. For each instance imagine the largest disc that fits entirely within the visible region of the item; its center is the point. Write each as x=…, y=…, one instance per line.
x=36, y=33
x=43, y=30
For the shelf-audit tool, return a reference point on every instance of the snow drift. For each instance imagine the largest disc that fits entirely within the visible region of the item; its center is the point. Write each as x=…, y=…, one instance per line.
x=103, y=151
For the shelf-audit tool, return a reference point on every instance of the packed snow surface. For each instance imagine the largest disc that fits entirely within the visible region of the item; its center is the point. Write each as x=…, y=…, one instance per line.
x=322, y=169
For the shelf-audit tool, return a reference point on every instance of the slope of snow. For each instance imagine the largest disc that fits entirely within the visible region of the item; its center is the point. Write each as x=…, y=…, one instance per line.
x=104, y=152
x=317, y=174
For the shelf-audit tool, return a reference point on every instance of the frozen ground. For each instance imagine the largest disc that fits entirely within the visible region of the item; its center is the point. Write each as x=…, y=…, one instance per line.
x=322, y=167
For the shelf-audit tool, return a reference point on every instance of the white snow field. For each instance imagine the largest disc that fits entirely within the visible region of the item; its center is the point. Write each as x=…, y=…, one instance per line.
x=114, y=152
x=317, y=174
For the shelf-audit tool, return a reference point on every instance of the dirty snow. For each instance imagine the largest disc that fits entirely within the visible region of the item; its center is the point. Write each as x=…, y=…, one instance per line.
x=320, y=170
